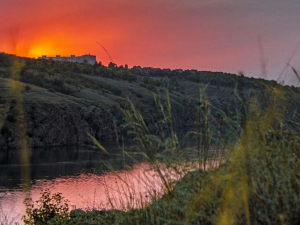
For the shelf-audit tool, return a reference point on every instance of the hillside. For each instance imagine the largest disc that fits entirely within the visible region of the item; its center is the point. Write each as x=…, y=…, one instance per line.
x=65, y=101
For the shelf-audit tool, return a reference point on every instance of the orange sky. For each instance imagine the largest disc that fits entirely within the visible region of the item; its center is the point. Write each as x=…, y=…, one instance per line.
x=218, y=35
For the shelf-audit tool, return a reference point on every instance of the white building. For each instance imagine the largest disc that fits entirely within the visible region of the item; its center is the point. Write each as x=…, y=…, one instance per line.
x=91, y=59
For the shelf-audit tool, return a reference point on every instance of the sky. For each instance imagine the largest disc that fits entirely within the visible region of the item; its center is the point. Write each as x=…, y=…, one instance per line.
x=256, y=37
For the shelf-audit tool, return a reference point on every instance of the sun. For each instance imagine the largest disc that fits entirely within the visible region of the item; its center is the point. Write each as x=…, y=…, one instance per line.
x=40, y=50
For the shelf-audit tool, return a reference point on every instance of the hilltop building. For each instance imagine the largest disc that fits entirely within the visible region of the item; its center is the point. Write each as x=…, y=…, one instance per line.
x=91, y=59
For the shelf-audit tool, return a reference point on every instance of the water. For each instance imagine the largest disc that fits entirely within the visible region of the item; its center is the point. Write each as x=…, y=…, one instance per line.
x=81, y=175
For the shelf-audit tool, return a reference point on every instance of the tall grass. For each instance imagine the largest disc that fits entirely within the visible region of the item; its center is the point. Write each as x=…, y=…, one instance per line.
x=256, y=183
x=243, y=168
x=6, y=218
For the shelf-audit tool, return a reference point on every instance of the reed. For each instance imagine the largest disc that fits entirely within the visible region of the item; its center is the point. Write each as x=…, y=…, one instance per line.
x=243, y=167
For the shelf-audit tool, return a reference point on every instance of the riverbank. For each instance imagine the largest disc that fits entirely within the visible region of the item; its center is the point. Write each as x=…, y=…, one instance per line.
x=256, y=122
x=259, y=184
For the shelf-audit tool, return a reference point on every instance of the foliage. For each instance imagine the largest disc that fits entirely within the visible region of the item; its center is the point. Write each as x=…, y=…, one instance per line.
x=55, y=74
x=49, y=209
x=252, y=133
x=258, y=184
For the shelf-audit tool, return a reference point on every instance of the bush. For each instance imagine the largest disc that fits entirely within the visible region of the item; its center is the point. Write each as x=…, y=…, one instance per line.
x=2, y=101
x=5, y=130
x=27, y=88
x=116, y=92
x=49, y=209
x=11, y=117
x=138, y=95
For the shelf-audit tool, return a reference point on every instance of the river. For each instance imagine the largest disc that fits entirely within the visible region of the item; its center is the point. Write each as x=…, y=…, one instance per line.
x=81, y=174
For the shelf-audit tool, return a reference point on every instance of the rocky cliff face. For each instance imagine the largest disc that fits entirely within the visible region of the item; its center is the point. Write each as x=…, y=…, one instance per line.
x=53, y=125
x=62, y=101
x=53, y=119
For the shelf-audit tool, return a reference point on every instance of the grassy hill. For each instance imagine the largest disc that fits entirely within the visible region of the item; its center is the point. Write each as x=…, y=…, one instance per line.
x=63, y=101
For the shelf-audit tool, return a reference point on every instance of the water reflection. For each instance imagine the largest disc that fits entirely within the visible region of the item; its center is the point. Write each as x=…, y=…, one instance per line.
x=57, y=162
x=81, y=175
x=121, y=189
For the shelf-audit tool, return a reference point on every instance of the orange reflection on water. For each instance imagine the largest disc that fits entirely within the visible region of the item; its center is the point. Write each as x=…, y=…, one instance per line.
x=132, y=188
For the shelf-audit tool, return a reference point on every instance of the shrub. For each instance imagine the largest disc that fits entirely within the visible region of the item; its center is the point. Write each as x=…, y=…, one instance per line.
x=5, y=130
x=11, y=117
x=49, y=209
x=138, y=95
x=2, y=101
x=116, y=92
x=27, y=88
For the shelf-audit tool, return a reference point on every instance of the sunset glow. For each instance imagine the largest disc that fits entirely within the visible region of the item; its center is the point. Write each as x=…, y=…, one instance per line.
x=205, y=35
x=149, y=112
x=39, y=50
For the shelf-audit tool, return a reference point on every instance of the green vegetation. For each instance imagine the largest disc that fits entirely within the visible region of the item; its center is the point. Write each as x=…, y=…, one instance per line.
x=256, y=183
x=241, y=168
x=49, y=209
x=109, y=87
